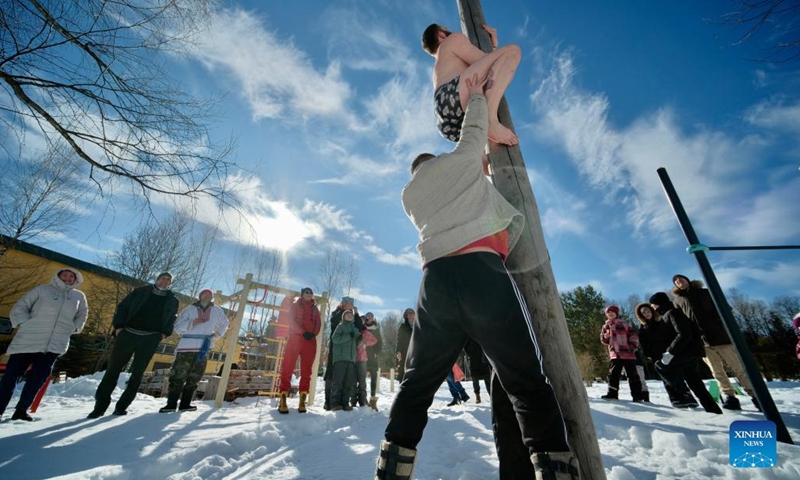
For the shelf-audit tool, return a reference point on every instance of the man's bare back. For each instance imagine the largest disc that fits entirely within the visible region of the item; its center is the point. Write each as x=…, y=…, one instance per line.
x=448, y=64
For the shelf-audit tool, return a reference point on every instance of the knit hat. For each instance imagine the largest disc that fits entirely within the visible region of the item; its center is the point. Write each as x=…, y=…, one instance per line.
x=660, y=298
x=306, y=289
x=678, y=275
x=407, y=311
x=612, y=308
x=204, y=291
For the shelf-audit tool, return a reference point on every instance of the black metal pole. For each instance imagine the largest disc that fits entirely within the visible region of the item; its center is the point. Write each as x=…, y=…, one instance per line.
x=760, y=388
x=773, y=247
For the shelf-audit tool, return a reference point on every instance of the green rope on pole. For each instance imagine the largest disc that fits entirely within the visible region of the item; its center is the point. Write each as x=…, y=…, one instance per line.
x=698, y=247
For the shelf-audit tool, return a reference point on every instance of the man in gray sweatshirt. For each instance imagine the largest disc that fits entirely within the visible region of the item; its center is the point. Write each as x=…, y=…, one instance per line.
x=466, y=230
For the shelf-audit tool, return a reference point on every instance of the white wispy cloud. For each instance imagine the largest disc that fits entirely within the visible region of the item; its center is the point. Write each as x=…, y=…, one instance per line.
x=276, y=78
x=711, y=170
x=776, y=114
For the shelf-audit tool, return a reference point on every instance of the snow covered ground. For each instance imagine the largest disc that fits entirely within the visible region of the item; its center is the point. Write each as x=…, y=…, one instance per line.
x=250, y=439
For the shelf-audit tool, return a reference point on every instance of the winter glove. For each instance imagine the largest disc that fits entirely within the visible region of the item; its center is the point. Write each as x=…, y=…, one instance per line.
x=308, y=336
x=666, y=358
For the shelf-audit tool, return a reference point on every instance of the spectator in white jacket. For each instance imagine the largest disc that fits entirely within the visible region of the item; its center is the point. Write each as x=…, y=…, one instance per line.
x=45, y=318
x=198, y=325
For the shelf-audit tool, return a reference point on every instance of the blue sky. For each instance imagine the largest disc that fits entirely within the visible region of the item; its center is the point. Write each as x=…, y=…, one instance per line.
x=330, y=100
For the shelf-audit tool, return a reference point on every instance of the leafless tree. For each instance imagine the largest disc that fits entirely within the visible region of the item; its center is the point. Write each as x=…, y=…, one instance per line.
x=752, y=315
x=351, y=276
x=389, y=326
x=330, y=276
x=38, y=196
x=93, y=74
x=166, y=245
x=776, y=19
x=785, y=307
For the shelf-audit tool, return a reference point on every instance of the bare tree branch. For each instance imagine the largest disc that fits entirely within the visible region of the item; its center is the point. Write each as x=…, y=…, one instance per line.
x=92, y=74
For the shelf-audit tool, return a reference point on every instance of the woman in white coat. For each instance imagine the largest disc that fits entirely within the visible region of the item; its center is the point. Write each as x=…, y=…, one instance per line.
x=45, y=318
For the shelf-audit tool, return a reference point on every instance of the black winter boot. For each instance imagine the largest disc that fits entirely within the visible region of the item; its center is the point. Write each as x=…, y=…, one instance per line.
x=611, y=395
x=186, y=401
x=395, y=462
x=454, y=402
x=731, y=403
x=646, y=395
x=555, y=466
x=21, y=415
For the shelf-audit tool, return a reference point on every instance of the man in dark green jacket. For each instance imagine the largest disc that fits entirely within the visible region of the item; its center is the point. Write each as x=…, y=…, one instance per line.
x=143, y=318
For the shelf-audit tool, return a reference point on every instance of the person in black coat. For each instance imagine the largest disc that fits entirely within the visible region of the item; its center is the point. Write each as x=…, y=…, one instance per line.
x=403, y=339
x=681, y=359
x=655, y=336
x=373, y=356
x=142, y=319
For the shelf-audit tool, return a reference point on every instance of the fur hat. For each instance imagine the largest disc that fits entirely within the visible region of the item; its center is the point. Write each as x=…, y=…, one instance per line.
x=638, y=313
x=660, y=298
x=348, y=300
x=678, y=275
x=612, y=308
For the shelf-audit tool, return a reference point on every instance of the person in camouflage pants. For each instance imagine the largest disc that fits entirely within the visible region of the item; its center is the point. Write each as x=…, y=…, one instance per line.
x=198, y=325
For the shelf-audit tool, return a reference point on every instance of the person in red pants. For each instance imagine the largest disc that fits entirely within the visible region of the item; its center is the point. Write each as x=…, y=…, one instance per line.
x=304, y=326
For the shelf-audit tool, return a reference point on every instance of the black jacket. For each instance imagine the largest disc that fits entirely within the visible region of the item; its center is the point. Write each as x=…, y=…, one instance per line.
x=655, y=337
x=403, y=339
x=131, y=304
x=687, y=341
x=696, y=303
x=374, y=351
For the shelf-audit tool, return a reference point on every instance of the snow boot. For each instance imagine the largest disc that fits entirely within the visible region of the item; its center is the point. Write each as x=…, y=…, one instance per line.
x=555, y=466
x=395, y=462
x=453, y=403
x=302, y=407
x=373, y=403
x=685, y=401
x=21, y=415
x=731, y=403
x=282, y=406
x=477, y=397
x=611, y=395
x=646, y=396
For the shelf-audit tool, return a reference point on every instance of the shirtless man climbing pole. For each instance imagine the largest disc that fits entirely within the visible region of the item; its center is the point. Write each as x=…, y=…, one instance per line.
x=458, y=59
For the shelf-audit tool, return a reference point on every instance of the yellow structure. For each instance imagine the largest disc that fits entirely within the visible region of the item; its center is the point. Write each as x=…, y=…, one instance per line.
x=24, y=266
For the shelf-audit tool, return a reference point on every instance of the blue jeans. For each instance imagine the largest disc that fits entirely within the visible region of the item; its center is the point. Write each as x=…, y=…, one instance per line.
x=41, y=366
x=456, y=390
